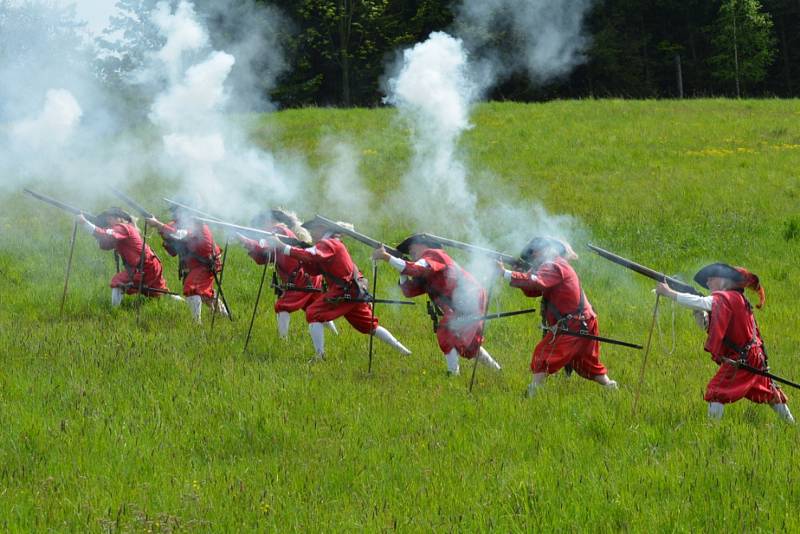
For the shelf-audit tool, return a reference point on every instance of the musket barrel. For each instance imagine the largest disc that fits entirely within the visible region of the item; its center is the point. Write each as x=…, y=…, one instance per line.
x=253, y=231
x=506, y=258
x=132, y=203
x=60, y=205
x=194, y=210
x=674, y=283
x=360, y=237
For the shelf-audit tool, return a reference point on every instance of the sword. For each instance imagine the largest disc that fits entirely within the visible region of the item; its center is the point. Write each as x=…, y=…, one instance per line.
x=557, y=331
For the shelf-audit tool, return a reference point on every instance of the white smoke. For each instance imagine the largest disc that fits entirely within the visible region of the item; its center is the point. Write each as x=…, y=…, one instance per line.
x=345, y=195
x=207, y=151
x=434, y=95
x=544, y=38
x=53, y=127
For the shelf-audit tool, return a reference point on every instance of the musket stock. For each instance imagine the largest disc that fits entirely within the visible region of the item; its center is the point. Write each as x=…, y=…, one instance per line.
x=674, y=283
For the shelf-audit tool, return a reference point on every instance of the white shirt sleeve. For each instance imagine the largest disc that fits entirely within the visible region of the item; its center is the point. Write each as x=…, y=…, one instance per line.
x=507, y=274
x=180, y=234
x=397, y=264
x=694, y=302
x=287, y=250
x=89, y=227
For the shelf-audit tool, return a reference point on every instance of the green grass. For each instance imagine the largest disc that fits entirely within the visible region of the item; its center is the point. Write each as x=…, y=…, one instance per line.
x=106, y=425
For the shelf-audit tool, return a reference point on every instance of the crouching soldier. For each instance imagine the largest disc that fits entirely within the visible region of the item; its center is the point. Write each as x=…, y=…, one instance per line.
x=198, y=257
x=344, y=296
x=296, y=288
x=453, y=290
x=733, y=336
x=564, y=308
x=115, y=230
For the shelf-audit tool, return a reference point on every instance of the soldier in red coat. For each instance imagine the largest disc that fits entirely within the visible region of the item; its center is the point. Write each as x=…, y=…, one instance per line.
x=564, y=307
x=296, y=288
x=452, y=289
x=733, y=335
x=115, y=230
x=198, y=256
x=346, y=291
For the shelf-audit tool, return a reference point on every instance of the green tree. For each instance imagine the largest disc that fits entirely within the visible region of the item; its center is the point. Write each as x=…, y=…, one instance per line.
x=743, y=43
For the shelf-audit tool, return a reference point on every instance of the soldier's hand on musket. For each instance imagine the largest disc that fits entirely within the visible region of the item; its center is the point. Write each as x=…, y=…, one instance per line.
x=664, y=290
x=272, y=241
x=155, y=223
x=380, y=254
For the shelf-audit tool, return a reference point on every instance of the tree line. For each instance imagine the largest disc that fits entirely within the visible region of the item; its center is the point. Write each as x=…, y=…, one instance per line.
x=335, y=52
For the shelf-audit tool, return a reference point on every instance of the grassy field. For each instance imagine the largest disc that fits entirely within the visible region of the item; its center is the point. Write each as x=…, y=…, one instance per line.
x=108, y=426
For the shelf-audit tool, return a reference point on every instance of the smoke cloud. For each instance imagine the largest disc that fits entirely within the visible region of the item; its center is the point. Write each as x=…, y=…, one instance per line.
x=434, y=95
x=543, y=38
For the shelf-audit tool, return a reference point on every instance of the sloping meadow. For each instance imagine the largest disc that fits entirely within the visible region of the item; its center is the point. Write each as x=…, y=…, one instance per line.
x=110, y=424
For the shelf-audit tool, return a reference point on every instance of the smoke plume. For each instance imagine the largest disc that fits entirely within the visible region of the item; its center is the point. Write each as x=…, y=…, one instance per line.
x=543, y=38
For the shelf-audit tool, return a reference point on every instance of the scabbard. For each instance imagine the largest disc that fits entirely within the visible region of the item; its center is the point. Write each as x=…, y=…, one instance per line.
x=338, y=300
x=462, y=321
x=595, y=338
x=761, y=372
x=299, y=289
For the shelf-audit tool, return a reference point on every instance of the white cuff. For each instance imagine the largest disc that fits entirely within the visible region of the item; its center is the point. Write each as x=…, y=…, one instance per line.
x=396, y=263
x=507, y=274
x=287, y=250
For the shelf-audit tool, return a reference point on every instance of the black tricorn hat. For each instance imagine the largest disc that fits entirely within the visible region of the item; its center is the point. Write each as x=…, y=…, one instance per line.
x=719, y=270
x=418, y=239
x=114, y=212
x=542, y=243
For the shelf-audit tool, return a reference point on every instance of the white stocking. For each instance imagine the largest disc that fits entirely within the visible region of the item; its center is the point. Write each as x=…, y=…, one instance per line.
x=283, y=324
x=486, y=359
x=317, y=337
x=387, y=337
x=715, y=410
x=452, y=362
x=195, y=303
x=116, y=296
x=330, y=325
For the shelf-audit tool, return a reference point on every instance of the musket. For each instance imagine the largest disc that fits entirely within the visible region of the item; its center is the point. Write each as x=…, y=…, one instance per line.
x=294, y=287
x=62, y=206
x=255, y=232
x=518, y=263
x=674, y=283
x=374, y=243
x=148, y=289
x=132, y=203
x=345, y=298
x=189, y=208
x=586, y=335
x=761, y=372
x=460, y=321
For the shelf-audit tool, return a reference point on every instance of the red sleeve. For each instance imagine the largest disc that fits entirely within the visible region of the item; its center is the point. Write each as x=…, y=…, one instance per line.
x=547, y=276
x=107, y=237
x=325, y=253
x=256, y=251
x=413, y=287
x=718, y=325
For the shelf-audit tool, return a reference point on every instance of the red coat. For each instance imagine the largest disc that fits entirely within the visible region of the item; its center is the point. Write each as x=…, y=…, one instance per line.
x=198, y=256
x=558, y=284
x=330, y=258
x=126, y=240
x=290, y=271
x=732, y=319
x=455, y=292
